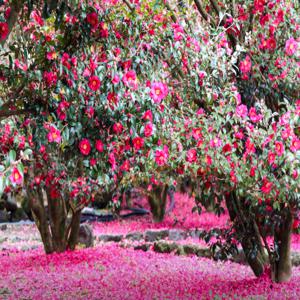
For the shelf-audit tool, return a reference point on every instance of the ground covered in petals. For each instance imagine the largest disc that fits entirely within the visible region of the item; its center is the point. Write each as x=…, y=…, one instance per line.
x=111, y=272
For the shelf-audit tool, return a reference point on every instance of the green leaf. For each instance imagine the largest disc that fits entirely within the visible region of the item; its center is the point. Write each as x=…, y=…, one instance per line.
x=12, y=155
x=2, y=185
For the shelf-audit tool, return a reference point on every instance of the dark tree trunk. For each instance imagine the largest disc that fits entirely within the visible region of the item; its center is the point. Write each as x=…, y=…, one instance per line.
x=158, y=200
x=57, y=232
x=41, y=219
x=282, y=267
x=251, y=240
x=74, y=230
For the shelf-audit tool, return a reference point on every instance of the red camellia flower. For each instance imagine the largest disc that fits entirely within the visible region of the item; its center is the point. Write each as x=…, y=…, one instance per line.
x=245, y=65
x=118, y=128
x=279, y=147
x=138, y=143
x=271, y=158
x=3, y=30
x=92, y=19
x=148, y=129
x=252, y=171
x=226, y=148
x=50, y=78
x=267, y=186
x=85, y=147
x=147, y=116
x=16, y=177
x=191, y=155
x=94, y=83
x=99, y=146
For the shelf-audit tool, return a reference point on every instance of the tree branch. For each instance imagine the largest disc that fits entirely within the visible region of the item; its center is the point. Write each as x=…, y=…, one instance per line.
x=203, y=13
x=131, y=7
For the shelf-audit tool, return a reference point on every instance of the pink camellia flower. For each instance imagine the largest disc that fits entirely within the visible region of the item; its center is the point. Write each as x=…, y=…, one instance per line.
x=130, y=79
x=291, y=46
x=4, y=29
x=92, y=19
x=271, y=158
x=241, y=111
x=148, y=129
x=208, y=160
x=161, y=157
x=279, y=148
x=197, y=133
x=295, y=144
x=254, y=117
x=245, y=65
x=50, y=78
x=295, y=174
x=37, y=18
x=85, y=147
x=215, y=142
x=138, y=143
x=125, y=167
x=147, y=116
x=94, y=83
x=117, y=128
x=116, y=79
x=266, y=186
x=158, y=92
x=16, y=177
x=99, y=146
x=191, y=155
x=53, y=135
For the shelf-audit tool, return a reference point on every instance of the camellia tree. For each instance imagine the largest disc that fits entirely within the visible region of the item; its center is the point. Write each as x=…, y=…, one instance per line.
x=82, y=92
x=114, y=93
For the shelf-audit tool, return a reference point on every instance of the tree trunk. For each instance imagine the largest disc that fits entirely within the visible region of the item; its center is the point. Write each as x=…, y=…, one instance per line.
x=58, y=222
x=74, y=230
x=158, y=200
x=41, y=219
x=251, y=240
x=282, y=267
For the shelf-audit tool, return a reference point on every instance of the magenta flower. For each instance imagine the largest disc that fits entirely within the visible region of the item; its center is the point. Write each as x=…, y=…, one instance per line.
x=130, y=79
x=245, y=65
x=291, y=46
x=148, y=129
x=3, y=30
x=279, y=147
x=241, y=111
x=191, y=155
x=85, y=147
x=161, y=157
x=54, y=135
x=16, y=177
x=159, y=91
